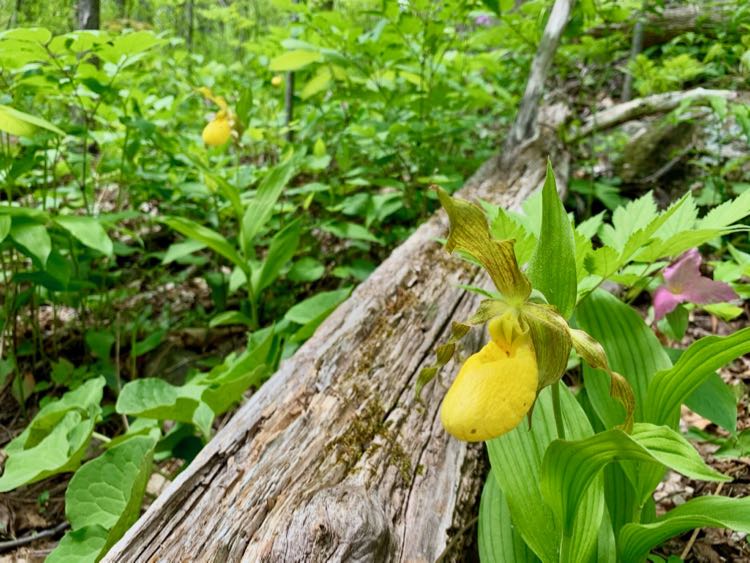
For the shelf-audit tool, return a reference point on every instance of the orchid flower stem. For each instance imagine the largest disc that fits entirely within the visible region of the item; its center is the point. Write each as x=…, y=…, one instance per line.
x=558, y=412
x=101, y=437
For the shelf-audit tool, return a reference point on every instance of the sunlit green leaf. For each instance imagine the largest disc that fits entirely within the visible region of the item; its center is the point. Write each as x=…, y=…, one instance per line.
x=636, y=540
x=552, y=269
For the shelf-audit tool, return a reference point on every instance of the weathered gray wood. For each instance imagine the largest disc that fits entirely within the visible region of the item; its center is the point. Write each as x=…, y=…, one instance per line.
x=524, y=125
x=650, y=105
x=334, y=459
x=707, y=17
x=88, y=14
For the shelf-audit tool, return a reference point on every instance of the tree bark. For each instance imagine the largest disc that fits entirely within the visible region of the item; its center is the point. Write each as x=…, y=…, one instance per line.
x=334, y=458
x=636, y=46
x=13, y=21
x=189, y=15
x=88, y=14
x=708, y=17
x=524, y=126
x=650, y=105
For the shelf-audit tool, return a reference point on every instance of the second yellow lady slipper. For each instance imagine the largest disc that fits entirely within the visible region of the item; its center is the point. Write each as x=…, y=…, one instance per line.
x=495, y=387
x=218, y=131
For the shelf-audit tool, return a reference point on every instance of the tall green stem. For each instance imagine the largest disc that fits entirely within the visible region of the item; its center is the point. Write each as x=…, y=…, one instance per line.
x=557, y=410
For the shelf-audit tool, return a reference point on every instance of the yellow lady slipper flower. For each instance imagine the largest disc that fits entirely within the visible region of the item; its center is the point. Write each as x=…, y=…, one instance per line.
x=276, y=81
x=495, y=387
x=218, y=131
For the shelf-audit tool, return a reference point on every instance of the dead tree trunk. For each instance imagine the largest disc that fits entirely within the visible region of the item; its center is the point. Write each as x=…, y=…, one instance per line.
x=524, y=126
x=710, y=17
x=334, y=459
x=650, y=105
x=88, y=13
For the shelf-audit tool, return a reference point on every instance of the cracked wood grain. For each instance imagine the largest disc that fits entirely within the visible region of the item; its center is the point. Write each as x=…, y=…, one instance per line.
x=334, y=458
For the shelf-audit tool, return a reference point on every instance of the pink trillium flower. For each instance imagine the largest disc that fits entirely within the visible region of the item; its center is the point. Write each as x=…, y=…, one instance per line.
x=683, y=281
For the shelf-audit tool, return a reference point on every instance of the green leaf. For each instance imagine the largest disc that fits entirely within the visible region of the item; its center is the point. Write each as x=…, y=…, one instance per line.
x=179, y=250
x=80, y=546
x=677, y=244
x=280, y=253
x=319, y=304
x=725, y=311
x=210, y=238
x=56, y=439
x=5, y=223
x=135, y=42
x=306, y=269
x=230, y=318
x=494, y=5
x=226, y=383
x=294, y=60
x=318, y=83
x=715, y=401
x=33, y=34
x=632, y=351
x=23, y=124
x=260, y=208
x=552, y=269
x=636, y=540
x=348, y=230
x=151, y=397
x=60, y=451
x=34, y=239
x=100, y=343
x=569, y=467
x=311, y=312
x=727, y=213
x=603, y=261
x=675, y=323
x=627, y=220
x=228, y=390
x=147, y=344
x=88, y=231
x=671, y=387
x=516, y=460
x=505, y=227
x=107, y=492
x=592, y=352
x=499, y=542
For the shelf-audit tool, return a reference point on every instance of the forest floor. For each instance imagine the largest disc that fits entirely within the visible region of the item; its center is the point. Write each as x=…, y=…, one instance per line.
x=41, y=506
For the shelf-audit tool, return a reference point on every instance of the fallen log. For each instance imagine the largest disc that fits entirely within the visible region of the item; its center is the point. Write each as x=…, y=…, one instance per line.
x=650, y=105
x=659, y=28
x=335, y=458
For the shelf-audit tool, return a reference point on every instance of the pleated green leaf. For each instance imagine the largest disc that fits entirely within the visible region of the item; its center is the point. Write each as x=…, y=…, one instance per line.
x=553, y=266
x=569, y=467
x=621, y=498
x=210, y=238
x=671, y=387
x=516, y=459
x=499, y=541
x=636, y=540
x=632, y=350
x=260, y=209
